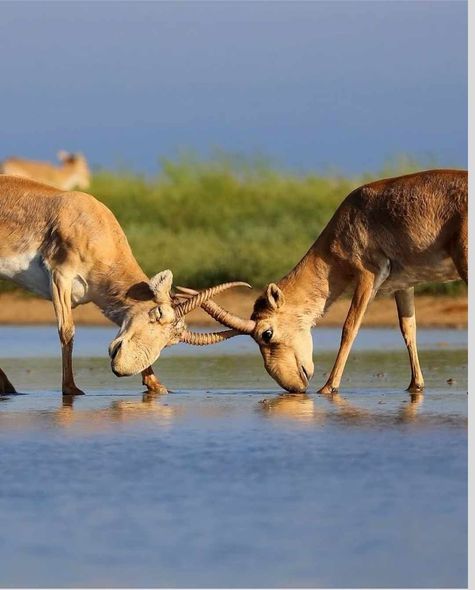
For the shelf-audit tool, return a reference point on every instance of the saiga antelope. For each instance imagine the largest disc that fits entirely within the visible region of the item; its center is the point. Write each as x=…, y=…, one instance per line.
x=69, y=248
x=73, y=172
x=386, y=236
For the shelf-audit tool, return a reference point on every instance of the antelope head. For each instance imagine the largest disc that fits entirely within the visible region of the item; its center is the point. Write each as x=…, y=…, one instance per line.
x=282, y=333
x=76, y=163
x=284, y=338
x=157, y=321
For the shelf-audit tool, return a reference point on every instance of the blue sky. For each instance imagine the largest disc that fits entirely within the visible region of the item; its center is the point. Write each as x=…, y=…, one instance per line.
x=311, y=85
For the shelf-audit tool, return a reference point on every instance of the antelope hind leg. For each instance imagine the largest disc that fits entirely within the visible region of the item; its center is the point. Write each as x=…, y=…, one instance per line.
x=407, y=322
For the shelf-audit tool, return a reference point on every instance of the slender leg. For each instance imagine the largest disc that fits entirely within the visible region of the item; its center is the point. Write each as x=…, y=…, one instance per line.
x=61, y=295
x=5, y=385
x=359, y=303
x=149, y=379
x=407, y=323
x=366, y=288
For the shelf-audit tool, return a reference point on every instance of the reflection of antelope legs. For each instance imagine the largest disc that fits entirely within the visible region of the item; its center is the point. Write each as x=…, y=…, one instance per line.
x=345, y=408
x=149, y=407
x=302, y=407
x=408, y=412
x=65, y=414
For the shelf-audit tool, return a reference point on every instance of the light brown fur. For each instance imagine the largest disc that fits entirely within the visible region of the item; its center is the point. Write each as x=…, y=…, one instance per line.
x=73, y=172
x=69, y=248
x=386, y=236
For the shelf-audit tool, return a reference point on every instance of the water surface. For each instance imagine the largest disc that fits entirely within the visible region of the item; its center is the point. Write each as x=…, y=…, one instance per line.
x=227, y=481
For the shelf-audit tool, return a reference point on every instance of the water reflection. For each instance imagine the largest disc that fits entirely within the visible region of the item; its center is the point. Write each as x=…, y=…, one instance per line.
x=345, y=409
x=296, y=406
x=401, y=412
x=408, y=411
x=311, y=409
x=151, y=408
x=102, y=413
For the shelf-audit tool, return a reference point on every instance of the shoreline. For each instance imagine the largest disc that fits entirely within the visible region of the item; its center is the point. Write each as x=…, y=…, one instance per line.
x=431, y=312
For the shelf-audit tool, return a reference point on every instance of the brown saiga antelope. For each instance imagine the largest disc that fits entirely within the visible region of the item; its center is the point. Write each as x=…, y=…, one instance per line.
x=73, y=172
x=386, y=236
x=69, y=248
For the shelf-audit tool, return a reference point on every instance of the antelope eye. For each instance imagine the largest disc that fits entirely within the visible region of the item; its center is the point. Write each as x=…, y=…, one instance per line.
x=154, y=315
x=267, y=335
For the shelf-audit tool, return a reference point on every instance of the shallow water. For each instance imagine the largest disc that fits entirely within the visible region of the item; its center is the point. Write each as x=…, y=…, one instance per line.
x=227, y=481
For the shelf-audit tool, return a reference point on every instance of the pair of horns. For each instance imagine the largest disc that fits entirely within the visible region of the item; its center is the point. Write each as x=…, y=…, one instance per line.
x=194, y=299
x=202, y=339
x=238, y=325
x=198, y=298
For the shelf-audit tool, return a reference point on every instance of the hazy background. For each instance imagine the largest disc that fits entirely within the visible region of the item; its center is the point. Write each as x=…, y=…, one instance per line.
x=339, y=85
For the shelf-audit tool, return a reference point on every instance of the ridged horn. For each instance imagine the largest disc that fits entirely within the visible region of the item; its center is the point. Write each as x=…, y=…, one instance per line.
x=221, y=315
x=204, y=338
x=199, y=298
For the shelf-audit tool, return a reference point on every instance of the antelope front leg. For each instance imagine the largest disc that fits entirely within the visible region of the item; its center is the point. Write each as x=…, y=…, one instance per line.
x=407, y=322
x=153, y=385
x=364, y=291
x=61, y=295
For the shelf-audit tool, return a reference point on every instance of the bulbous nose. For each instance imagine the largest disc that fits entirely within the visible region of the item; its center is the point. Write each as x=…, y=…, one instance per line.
x=308, y=372
x=306, y=376
x=114, y=349
x=296, y=383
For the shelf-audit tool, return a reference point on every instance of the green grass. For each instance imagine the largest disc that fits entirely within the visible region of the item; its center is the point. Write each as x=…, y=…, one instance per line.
x=227, y=218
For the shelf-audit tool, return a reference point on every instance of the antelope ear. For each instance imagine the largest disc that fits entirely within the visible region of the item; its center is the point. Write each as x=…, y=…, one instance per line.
x=63, y=156
x=274, y=295
x=161, y=285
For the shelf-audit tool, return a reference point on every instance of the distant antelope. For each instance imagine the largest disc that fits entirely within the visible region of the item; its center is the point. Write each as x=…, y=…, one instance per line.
x=69, y=248
x=385, y=236
x=73, y=172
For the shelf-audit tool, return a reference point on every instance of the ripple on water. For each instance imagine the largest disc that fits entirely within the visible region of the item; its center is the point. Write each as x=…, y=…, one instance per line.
x=229, y=482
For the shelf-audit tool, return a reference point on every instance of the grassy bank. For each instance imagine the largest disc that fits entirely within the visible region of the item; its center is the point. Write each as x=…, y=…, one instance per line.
x=226, y=219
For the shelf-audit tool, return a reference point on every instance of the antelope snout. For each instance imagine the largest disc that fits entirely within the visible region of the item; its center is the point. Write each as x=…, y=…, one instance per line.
x=295, y=379
x=306, y=374
x=119, y=365
x=298, y=379
x=114, y=349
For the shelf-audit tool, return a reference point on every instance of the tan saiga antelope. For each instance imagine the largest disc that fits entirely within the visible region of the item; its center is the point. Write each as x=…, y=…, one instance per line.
x=69, y=248
x=386, y=236
x=73, y=172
